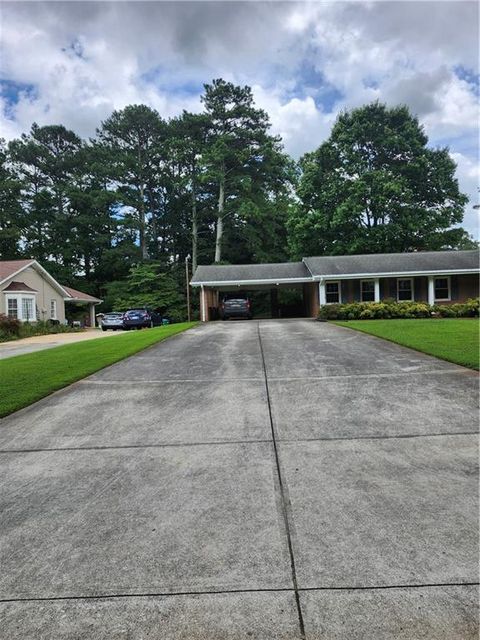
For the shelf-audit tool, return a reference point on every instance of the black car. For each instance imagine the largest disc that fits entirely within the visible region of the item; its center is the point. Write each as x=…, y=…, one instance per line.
x=236, y=306
x=141, y=318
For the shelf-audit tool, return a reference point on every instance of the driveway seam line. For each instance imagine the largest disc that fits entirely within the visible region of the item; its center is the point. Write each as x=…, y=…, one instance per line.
x=162, y=594
x=137, y=446
x=396, y=437
x=282, y=492
x=232, y=442
x=393, y=374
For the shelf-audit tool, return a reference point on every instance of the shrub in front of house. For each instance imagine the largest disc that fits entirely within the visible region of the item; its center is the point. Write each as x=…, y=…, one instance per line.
x=9, y=328
x=468, y=309
x=393, y=309
x=12, y=329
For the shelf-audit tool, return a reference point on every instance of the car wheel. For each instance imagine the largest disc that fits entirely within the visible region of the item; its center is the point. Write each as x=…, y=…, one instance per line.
x=104, y=328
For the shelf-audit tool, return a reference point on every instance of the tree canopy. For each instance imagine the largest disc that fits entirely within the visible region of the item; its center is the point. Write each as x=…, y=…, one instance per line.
x=375, y=186
x=115, y=213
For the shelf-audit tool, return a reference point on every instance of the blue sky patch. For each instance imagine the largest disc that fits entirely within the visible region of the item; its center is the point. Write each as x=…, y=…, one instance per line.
x=311, y=82
x=12, y=91
x=469, y=76
x=165, y=81
x=75, y=50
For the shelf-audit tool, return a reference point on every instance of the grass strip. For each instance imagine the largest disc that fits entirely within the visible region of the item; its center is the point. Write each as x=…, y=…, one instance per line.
x=452, y=339
x=27, y=378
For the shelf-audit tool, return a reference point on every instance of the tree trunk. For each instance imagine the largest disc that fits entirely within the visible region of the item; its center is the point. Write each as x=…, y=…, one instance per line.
x=194, y=228
x=221, y=207
x=141, y=215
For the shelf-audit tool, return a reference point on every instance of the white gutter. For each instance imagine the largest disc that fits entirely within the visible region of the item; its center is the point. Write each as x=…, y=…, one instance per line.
x=226, y=283
x=393, y=274
x=95, y=301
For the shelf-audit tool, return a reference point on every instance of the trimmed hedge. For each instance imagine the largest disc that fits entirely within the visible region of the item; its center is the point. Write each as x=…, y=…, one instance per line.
x=391, y=309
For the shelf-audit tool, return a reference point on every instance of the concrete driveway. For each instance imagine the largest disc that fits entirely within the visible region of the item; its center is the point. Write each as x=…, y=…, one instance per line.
x=270, y=480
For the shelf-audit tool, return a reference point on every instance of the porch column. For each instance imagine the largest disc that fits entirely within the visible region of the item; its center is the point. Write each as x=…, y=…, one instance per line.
x=377, y=290
x=322, y=293
x=431, y=290
x=92, y=315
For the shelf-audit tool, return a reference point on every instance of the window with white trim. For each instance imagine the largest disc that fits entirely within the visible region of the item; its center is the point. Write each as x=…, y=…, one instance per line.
x=53, y=309
x=367, y=290
x=404, y=289
x=442, y=288
x=22, y=307
x=332, y=292
x=12, y=308
x=28, y=310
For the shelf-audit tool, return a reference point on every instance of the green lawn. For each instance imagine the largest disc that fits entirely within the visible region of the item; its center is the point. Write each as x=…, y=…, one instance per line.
x=27, y=378
x=452, y=339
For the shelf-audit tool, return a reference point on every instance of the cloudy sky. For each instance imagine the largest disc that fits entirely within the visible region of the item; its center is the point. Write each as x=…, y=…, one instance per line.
x=75, y=62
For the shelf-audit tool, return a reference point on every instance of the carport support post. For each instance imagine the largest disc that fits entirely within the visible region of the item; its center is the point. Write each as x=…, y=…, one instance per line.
x=203, y=314
x=322, y=298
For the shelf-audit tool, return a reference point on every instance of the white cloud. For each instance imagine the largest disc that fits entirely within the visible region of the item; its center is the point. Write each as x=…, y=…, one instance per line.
x=86, y=59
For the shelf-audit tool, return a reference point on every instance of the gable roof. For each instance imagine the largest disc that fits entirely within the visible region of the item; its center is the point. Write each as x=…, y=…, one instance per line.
x=9, y=268
x=79, y=296
x=421, y=262
x=225, y=274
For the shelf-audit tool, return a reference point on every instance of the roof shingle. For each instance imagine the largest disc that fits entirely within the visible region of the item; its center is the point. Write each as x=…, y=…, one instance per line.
x=219, y=273
x=19, y=286
x=9, y=267
x=393, y=263
x=79, y=295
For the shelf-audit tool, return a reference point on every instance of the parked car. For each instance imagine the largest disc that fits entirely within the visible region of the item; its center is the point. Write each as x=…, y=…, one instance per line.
x=113, y=320
x=236, y=306
x=140, y=318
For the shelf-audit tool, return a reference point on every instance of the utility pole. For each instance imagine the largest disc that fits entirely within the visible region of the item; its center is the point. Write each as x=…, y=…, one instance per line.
x=188, y=287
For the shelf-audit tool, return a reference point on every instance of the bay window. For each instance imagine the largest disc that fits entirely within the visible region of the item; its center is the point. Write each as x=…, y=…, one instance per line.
x=21, y=307
x=12, y=308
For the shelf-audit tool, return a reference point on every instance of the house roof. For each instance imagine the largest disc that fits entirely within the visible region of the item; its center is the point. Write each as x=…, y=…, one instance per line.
x=394, y=263
x=78, y=296
x=315, y=268
x=19, y=286
x=251, y=273
x=9, y=268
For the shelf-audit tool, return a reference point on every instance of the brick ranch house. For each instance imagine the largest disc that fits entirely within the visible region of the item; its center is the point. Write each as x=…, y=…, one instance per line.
x=29, y=293
x=436, y=277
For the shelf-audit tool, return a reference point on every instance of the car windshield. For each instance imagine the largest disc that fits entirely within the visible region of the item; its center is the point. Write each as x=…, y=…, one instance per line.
x=113, y=315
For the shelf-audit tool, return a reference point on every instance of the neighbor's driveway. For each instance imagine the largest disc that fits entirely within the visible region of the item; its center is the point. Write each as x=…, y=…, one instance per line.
x=246, y=480
x=38, y=343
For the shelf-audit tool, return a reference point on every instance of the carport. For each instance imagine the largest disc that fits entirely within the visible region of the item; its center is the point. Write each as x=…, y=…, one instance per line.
x=216, y=280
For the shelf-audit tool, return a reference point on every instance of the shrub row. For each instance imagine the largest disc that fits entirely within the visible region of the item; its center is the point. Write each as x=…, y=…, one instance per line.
x=392, y=309
x=11, y=328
